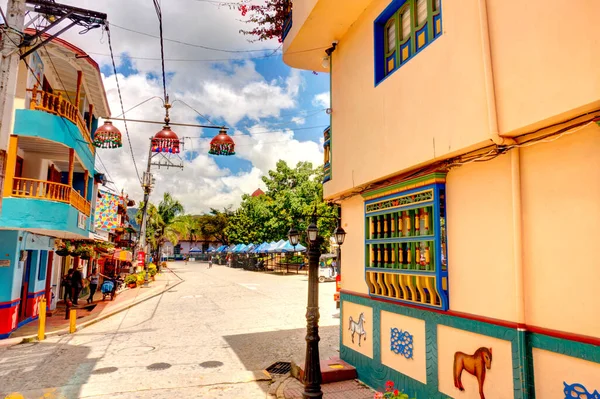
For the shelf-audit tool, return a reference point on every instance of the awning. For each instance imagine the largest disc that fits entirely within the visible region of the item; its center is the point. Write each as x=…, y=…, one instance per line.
x=98, y=237
x=121, y=254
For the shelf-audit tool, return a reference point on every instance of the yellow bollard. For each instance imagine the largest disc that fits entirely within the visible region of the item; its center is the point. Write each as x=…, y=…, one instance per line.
x=42, y=320
x=72, y=321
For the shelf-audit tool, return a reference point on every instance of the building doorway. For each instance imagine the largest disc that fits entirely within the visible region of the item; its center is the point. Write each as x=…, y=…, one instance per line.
x=26, y=257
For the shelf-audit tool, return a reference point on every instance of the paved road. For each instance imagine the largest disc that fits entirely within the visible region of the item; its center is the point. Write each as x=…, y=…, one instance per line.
x=209, y=337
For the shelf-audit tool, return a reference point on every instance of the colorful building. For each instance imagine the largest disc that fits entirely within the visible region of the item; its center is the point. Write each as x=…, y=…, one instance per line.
x=50, y=184
x=113, y=225
x=463, y=150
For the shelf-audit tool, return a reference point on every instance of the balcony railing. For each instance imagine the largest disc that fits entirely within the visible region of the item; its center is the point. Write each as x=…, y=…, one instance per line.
x=50, y=191
x=57, y=105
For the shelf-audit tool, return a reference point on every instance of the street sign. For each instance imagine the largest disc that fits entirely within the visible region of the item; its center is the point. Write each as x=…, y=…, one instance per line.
x=141, y=258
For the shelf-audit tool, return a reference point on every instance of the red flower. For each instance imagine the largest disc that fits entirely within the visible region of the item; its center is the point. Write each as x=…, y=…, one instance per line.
x=396, y=392
x=389, y=384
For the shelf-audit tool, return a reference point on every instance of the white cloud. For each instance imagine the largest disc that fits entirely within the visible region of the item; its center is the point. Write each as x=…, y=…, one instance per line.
x=228, y=91
x=322, y=100
x=299, y=120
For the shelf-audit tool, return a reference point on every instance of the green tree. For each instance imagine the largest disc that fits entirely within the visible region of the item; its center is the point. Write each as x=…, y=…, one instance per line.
x=291, y=197
x=165, y=223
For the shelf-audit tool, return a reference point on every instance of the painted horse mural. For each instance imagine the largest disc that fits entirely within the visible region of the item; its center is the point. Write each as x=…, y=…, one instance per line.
x=358, y=327
x=475, y=364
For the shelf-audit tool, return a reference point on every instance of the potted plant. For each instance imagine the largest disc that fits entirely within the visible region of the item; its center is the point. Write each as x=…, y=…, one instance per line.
x=152, y=270
x=85, y=251
x=131, y=281
x=391, y=393
x=141, y=277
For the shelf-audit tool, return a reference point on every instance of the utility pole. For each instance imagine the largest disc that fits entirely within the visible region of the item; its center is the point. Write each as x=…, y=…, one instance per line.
x=9, y=64
x=147, y=183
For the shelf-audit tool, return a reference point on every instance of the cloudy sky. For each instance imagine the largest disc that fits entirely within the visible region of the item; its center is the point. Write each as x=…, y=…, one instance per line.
x=274, y=112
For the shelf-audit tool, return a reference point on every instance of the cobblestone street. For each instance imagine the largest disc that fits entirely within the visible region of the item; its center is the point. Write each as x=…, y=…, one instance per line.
x=209, y=337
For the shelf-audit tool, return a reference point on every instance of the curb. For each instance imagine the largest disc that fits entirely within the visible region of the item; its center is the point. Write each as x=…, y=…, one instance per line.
x=33, y=338
x=282, y=386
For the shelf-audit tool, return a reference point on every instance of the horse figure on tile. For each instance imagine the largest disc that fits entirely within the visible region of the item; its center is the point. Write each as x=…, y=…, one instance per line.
x=358, y=327
x=475, y=364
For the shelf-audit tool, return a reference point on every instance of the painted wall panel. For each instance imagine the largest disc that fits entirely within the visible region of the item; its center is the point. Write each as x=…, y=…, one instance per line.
x=415, y=365
x=499, y=378
x=561, y=215
x=353, y=250
x=552, y=371
x=363, y=343
x=480, y=239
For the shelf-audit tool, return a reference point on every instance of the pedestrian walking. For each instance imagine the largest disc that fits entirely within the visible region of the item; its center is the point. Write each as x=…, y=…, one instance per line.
x=93, y=278
x=66, y=283
x=76, y=284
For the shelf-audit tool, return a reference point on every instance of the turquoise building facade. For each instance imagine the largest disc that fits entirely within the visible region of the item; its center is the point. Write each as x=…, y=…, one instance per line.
x=50, y=183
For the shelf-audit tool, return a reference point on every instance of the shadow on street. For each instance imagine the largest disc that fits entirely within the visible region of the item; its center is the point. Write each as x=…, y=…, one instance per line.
x=36, y=369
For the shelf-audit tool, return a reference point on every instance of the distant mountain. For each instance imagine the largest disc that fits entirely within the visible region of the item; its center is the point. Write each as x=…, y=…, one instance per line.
x=131, y=212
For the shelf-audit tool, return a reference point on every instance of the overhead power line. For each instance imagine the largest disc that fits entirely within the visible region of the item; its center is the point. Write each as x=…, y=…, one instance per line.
x=114, y=65
x=271, y=55
x=192, y=44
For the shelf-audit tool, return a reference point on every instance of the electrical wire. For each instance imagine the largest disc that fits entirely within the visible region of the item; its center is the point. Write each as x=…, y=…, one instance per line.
x=162, y=48
x=126, y=56
x=114, y=65
x=192, y=44
x=194, y=109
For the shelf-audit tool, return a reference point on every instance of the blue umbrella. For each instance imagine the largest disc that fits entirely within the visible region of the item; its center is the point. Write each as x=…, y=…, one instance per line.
x=248, y=248
x=289, y=248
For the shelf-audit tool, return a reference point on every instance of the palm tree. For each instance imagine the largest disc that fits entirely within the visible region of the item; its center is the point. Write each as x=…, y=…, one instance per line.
x=165, y=223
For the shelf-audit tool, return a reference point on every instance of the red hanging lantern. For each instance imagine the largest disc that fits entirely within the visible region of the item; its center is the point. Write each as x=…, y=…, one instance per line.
x=107, y=136
x=222, y=144
x=166, y=141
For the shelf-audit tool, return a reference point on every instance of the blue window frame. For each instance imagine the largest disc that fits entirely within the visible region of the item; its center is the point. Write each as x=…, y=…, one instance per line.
x=403, y=29
x=405, y=245
x=43, y=265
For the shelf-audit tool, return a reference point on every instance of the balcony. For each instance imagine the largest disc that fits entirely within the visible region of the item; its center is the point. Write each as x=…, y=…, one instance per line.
x=315, y=25
x=47, y=188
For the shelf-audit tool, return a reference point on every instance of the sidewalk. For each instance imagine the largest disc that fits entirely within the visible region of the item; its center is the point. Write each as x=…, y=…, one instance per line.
x=98, y=310
x=291, y=388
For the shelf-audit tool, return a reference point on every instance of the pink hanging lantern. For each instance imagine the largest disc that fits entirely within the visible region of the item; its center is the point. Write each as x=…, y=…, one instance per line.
x=166, y=141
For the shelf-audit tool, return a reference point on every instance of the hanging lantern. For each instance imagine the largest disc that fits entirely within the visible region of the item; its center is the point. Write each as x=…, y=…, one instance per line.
x=166, y=141
x=107, y=136
x=222, y=144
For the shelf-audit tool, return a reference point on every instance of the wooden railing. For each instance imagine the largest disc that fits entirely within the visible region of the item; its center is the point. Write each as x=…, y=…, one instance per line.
x=46, y=190
x=80, y=203
x=57, y=105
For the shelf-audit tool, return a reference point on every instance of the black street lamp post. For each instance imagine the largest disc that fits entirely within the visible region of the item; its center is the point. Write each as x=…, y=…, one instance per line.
x=312, y=363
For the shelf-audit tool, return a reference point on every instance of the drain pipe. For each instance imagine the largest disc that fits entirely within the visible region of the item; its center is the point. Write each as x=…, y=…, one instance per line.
x=490, y=90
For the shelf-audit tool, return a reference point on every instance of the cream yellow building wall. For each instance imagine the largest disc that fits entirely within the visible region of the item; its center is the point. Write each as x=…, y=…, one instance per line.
x=353, y=250
x=545, y=57
x=480, y=239
x=561, y=215
x=552, y=370
x=499, y=378
x=433, y=105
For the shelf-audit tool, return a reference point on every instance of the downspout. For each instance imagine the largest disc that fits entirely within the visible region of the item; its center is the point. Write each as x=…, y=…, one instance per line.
x=524, y=373
x=490, y=90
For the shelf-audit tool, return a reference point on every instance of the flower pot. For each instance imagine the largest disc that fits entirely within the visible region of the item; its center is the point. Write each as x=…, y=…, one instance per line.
x=132, y=285
x=153, y=278
x=62, y=252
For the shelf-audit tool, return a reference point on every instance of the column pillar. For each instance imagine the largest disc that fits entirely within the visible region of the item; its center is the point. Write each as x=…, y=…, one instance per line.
x=71, y=166
x=11, y=162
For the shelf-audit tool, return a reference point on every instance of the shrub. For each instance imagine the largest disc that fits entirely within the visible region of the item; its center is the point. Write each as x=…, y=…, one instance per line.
x=131, y=279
